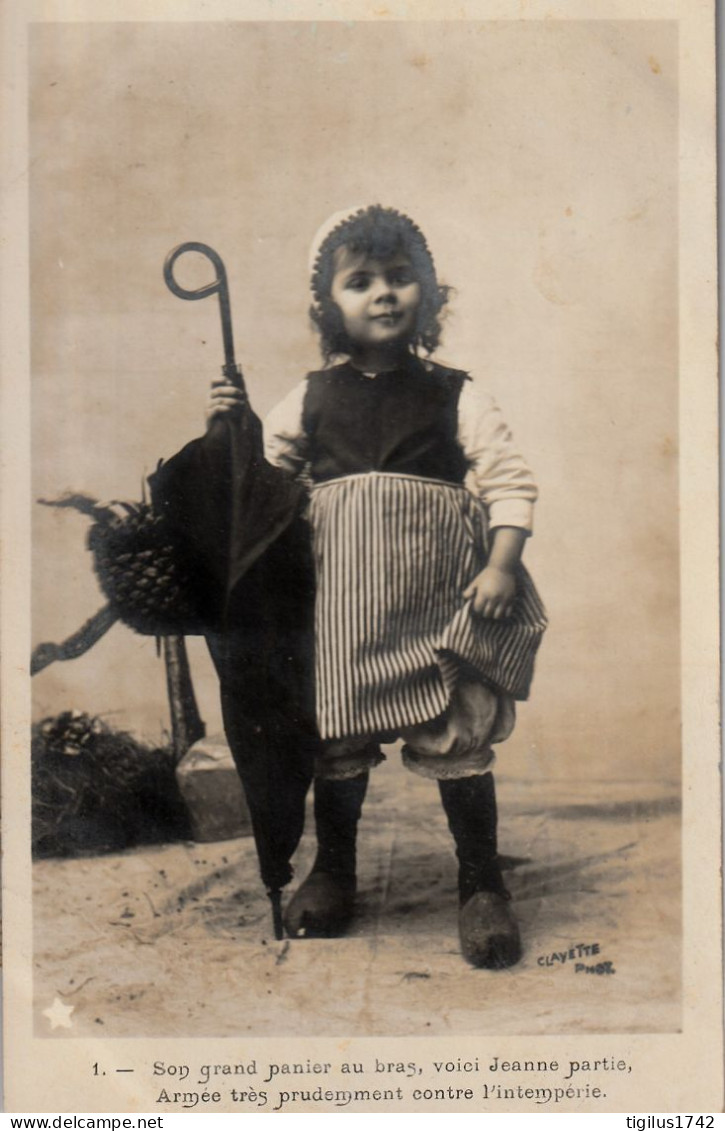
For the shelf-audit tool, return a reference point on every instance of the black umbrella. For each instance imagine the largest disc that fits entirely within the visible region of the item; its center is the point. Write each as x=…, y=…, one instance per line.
x=240, y=522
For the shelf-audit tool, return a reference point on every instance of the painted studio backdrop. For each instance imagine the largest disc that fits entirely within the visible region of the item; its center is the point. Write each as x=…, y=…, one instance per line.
x=540, y=161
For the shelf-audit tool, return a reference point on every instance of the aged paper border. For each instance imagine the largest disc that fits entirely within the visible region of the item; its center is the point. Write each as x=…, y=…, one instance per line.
x=671, y=1072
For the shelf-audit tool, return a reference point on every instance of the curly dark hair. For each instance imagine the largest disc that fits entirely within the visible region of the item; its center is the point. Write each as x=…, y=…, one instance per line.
x=381, y=233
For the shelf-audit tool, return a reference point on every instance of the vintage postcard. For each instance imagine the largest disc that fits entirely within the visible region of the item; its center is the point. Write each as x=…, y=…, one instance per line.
x=258, y=682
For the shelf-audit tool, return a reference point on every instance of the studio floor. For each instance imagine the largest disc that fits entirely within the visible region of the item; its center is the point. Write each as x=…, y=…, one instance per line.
x=177, y=940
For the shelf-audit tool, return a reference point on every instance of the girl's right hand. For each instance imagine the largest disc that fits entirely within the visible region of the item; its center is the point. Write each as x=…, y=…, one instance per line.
x=224, y=397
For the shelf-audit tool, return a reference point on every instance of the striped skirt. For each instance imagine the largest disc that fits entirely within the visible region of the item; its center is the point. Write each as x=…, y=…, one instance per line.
x=393, y=554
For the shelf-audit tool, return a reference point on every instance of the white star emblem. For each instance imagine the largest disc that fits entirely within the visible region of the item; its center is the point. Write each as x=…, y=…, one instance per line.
x=59, y=1014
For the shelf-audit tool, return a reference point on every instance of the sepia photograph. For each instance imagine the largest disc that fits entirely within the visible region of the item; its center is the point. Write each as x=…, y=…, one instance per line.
x=369, y=410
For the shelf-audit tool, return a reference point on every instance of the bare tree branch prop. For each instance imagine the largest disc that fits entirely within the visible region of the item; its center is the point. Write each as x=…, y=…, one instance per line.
x=86, y=636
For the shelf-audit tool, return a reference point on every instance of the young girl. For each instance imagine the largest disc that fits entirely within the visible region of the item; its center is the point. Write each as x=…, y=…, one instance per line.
x=420, y=506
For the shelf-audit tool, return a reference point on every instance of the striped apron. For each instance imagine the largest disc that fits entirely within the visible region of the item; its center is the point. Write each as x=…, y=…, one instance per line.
x=393, y=554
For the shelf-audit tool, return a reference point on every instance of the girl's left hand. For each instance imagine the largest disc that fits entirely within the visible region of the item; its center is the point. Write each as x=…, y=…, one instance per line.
x=492, y=591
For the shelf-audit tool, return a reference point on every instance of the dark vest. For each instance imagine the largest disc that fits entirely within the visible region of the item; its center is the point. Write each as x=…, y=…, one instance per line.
x=403, y=421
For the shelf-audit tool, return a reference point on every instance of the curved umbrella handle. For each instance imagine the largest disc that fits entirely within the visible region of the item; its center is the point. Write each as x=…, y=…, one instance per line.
x=218, y=286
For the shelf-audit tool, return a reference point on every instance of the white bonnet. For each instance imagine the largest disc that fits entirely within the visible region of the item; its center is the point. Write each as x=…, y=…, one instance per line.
x=328, y=226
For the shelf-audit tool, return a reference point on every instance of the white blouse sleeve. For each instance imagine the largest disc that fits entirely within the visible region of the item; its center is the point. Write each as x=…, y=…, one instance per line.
x=498, y=475
x=285, y=443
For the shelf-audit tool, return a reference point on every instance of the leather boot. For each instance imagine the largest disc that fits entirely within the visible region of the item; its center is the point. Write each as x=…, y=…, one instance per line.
x=323, y=905
x=488, y=930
